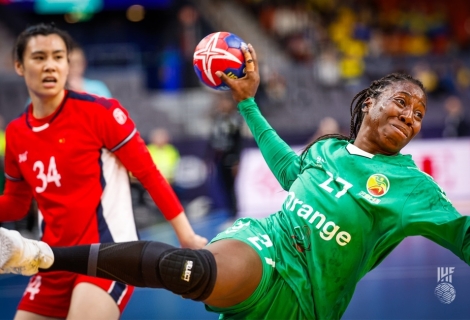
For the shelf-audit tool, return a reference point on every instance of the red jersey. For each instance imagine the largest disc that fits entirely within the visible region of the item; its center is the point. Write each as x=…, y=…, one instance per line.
x=75, y=163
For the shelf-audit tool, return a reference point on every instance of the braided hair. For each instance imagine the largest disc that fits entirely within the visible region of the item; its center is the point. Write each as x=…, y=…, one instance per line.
x=357, y=114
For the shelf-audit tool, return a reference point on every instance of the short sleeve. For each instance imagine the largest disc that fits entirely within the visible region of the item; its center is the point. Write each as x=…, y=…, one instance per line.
x=116, y=127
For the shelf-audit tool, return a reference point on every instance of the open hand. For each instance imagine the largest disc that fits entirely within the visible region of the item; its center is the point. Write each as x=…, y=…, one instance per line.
x=247, y=86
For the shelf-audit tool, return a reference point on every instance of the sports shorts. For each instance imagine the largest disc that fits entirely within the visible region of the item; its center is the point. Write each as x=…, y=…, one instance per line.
x=49, y=293
x=274, y=298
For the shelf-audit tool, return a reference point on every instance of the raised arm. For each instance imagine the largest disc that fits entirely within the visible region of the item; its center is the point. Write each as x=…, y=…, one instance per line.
x=281, y=159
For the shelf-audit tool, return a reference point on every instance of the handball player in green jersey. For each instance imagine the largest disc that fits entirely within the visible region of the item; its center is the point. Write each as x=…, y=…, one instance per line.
x=350, y=202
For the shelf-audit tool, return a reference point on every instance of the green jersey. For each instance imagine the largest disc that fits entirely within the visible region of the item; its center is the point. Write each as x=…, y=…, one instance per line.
x=345, y=211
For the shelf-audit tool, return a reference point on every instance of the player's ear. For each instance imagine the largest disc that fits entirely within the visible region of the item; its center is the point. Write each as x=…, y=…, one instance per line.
x=366, y=105
x=19, y=68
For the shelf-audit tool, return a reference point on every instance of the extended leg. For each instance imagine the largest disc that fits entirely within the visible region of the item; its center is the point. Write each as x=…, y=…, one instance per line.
x=187, y=272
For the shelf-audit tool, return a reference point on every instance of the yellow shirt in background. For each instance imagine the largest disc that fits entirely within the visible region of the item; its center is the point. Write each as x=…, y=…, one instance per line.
x=166, y=159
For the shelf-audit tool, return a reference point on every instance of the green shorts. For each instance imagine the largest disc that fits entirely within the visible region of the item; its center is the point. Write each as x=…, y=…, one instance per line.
x=274, y=298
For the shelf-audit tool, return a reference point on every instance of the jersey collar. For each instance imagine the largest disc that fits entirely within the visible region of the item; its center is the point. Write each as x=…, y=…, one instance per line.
x=352, y=149
x=38, y=125
x=398, y=159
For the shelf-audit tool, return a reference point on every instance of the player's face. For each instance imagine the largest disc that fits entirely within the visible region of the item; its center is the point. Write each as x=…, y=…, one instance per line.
x=392, y=119
x=45, y=66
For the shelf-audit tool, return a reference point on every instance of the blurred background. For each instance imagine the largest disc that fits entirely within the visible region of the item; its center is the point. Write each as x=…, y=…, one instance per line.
x=314, y=56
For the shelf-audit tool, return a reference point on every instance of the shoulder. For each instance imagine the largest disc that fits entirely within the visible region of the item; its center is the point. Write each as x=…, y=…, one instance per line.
x=331, y=143
x=91, y=99
x=93, y=102
x=328, y=148
x=171, y=148
x=426, y=186
x=17, y=123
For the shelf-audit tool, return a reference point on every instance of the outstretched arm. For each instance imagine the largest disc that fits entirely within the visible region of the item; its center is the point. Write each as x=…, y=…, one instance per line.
x=281, y=159
x=283, y=162
x=433, y=216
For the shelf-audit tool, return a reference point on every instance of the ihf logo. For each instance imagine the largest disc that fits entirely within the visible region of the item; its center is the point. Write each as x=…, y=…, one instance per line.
x=445, y=291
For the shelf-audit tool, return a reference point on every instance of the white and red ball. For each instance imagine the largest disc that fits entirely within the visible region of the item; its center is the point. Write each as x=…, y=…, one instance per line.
x=219, y=51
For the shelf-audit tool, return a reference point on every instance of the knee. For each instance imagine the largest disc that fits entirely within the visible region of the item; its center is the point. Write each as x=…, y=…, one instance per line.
x=187, y=272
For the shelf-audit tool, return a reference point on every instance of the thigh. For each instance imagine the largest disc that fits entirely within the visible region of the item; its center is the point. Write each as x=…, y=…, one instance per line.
x=95, y=298
x=239, y=272
x=276, y=301
x=26, y=315
x=48, y=294
x=92, y=302
x=245, y=258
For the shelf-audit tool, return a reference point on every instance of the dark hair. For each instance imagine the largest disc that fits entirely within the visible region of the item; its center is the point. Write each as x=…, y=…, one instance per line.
x=374, y=90
x=35, y=30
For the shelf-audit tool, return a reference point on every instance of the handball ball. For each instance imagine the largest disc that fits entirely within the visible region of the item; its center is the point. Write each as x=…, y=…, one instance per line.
x=219, y=51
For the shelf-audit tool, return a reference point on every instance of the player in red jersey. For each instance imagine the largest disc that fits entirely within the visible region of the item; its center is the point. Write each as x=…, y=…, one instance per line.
x=72, y=152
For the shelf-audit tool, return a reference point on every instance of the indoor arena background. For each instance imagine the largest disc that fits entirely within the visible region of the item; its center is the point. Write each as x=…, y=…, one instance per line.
x=315, y=55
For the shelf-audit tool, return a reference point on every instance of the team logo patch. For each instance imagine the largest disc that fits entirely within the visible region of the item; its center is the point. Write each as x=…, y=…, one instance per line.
x=23, y=157
x=378, y=185
x=120, y=116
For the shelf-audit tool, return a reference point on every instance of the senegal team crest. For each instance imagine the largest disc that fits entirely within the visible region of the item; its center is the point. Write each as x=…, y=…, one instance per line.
x=378, y=185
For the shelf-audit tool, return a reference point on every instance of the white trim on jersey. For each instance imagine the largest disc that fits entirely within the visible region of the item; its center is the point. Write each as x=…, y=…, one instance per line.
x=40, y=220
x=116, y=199
x=352, y=149
x=40, y=128
x=111, y=287
x=123, y=142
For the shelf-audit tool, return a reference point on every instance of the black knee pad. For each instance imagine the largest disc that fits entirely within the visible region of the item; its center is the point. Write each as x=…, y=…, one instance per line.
x=189, y=273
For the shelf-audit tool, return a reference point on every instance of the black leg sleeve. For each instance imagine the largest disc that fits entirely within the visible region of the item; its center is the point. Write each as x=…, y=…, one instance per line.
x=126, y=262
x=134, y=263
x=73, y=259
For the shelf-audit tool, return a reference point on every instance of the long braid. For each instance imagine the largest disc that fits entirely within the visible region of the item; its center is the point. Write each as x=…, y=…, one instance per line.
x=357, y=114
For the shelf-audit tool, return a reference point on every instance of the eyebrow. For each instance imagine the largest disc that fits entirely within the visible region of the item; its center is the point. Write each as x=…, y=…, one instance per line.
x=53, y=52
x=404, y=92
x=409, y=95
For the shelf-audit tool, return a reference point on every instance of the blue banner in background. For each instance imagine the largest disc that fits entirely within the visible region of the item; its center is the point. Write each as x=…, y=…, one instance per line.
x=63, y=6
x=67, y=6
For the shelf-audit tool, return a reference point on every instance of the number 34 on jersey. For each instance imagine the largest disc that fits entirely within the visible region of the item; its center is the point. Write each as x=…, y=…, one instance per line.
x=46, y=176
